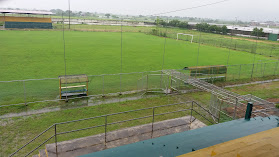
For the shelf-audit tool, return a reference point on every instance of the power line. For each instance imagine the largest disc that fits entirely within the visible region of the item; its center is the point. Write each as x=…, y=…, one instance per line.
x=199, y=6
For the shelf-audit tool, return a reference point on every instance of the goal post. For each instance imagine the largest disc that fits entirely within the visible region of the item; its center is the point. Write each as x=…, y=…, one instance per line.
x=186, y=35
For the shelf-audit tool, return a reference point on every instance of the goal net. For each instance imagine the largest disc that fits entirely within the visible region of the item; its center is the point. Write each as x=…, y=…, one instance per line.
x=191, y=36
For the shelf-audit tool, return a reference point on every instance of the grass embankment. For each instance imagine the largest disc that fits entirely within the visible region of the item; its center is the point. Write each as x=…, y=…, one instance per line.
x=16, y=131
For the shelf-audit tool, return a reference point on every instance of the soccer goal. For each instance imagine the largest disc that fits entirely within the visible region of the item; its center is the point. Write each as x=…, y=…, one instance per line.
x=185, y=35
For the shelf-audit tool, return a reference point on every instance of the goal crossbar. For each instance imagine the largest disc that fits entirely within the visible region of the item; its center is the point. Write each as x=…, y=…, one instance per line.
x=186, y=34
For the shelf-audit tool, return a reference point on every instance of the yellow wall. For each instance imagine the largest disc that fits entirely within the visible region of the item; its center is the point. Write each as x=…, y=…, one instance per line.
x=264, y=144
x=1, y=18
x=25, y=19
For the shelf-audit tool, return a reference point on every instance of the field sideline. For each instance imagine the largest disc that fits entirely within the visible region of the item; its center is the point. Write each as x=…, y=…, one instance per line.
x=39, y=54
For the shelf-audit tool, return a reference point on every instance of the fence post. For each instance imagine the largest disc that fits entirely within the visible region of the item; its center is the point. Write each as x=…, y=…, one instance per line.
x=106, y=121
x=252, y=71
x=103, y=85
x=120, y=93
x=276, y=68
x=147, y=82
x=24, y=92
x=235, y=107
x=239, y=71
x=153, y=122
x=55, y=133
x=191, y=113
x=249, y=110
x=264, y=69
x=271, y=52
x=220, y=108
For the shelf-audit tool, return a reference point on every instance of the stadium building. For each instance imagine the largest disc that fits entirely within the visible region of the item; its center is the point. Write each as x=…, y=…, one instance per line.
x=21, y=19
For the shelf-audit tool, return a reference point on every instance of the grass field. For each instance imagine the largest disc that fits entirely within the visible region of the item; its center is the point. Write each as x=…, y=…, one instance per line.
x=39, y=54
x=263, y=47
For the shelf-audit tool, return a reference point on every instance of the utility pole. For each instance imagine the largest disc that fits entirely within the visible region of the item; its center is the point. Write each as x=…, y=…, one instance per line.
x=69, y=14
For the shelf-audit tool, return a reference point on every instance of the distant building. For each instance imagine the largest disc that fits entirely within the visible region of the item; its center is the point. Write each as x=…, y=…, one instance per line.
x=269, y=33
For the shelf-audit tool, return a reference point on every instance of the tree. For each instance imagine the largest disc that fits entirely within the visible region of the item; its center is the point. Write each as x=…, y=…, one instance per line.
x=204, y=27
x=257, y=32
x=174, y=23
x=224, y=30
x=183, y=25
x=107, y=15
x=213, y=29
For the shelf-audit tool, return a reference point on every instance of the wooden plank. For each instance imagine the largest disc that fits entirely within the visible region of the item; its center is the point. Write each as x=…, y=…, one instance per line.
x=73, y=86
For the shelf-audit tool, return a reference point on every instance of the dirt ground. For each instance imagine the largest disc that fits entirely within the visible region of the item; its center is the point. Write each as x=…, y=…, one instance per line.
x=240, y=113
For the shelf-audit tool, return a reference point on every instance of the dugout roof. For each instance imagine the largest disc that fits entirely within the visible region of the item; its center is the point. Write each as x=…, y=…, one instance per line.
x=25, y=12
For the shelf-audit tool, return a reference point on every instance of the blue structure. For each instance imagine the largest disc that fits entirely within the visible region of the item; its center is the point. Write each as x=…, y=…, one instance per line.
x=185, y=142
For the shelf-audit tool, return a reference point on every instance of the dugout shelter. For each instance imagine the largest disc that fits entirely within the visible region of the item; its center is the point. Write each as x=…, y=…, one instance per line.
x=23, y=19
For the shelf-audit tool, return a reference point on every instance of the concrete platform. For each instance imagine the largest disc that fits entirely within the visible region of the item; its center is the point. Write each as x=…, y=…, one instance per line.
x=121, y=137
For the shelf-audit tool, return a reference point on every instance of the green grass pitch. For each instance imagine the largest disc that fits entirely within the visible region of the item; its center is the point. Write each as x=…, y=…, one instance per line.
x=40, y=54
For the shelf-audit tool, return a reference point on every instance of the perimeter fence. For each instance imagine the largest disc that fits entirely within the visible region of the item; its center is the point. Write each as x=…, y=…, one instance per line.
x=19, y=93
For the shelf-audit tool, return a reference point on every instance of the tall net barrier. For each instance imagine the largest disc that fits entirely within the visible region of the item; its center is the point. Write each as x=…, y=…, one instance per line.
x=28, y=93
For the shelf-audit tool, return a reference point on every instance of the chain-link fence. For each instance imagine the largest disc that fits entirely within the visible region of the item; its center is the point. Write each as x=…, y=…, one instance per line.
x=40, y=93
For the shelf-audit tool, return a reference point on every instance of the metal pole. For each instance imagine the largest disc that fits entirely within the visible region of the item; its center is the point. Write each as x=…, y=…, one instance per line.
x=69, y=14
x=239, y=72
x=271, y=52
x=153, y=122
x=55, y=140
x=275, y=68
x=121, y=68
x=252, y=71
x=24, y=92
x=106, y=121
x=264, y=69
x=103, y=85
x=146, y=82
x=191, y=113
x=120, y=92
x=235, y=107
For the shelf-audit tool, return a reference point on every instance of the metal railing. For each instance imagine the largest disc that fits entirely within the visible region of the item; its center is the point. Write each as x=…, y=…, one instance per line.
x=106, y=123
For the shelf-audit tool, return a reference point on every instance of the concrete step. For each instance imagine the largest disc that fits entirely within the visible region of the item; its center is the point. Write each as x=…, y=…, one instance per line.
x=42, y=153
x=121, y=137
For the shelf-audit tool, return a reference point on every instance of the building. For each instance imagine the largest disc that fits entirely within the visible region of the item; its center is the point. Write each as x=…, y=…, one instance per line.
x=21, y=19
x=269, y=33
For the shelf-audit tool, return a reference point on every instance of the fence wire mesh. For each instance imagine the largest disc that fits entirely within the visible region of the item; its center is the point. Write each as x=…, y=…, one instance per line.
x=46, y=91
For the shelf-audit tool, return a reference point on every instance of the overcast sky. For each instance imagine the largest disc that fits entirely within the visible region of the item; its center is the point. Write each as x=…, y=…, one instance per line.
x=242, y=9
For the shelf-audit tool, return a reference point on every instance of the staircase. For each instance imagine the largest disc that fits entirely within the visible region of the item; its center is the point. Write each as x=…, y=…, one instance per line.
x=225, y=95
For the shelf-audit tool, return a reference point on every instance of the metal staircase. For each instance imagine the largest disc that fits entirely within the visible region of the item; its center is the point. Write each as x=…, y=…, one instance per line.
x=223, y=94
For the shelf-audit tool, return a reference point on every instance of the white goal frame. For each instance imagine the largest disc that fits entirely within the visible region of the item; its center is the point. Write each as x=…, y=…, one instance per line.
x=186, y=34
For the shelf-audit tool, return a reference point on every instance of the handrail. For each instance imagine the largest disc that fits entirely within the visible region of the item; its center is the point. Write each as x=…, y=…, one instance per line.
x=117, y=122
x=32, y=140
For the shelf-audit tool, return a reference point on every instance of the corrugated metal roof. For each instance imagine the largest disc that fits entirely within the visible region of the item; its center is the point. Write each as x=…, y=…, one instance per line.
x=250, y=29
x=26, y=12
